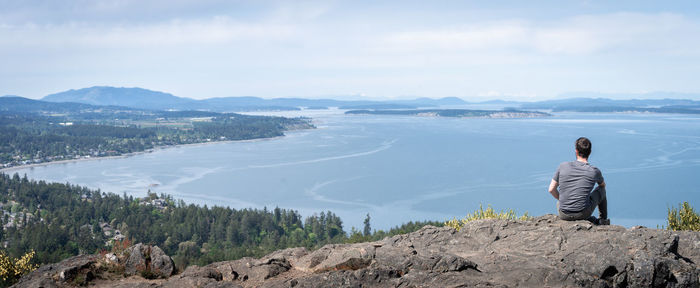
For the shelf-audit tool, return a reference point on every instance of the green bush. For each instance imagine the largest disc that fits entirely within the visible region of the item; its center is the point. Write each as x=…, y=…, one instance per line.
x=683, y=218
x=489, y=213
x=11, y=269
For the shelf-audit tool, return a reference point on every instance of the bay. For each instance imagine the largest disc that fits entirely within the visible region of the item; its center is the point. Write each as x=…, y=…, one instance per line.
x=405, y=168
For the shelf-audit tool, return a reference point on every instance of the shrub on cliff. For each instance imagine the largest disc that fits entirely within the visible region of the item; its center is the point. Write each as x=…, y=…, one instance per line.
x=683, y=218
x=11, y=269
x=489, y=213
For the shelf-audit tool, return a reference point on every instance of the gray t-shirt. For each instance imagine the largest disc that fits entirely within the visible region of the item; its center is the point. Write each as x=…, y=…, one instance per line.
x=576, y=181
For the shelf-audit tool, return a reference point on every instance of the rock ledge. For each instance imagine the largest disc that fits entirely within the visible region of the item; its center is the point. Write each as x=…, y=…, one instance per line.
x=543, y=251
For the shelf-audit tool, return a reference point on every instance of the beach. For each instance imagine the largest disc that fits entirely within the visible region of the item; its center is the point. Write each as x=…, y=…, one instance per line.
x=9, y=170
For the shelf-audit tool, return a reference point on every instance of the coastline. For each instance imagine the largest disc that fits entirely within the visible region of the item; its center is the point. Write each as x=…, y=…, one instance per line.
x=9, y=170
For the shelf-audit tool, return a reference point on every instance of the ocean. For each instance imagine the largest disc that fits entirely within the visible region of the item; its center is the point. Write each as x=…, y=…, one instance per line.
x=406, y=168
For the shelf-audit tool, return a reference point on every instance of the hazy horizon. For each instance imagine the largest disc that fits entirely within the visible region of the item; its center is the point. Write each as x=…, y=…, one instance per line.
x=512, y=50
x=567, y=95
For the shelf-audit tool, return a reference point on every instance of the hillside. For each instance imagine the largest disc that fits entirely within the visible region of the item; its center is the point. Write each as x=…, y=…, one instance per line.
x=57, y=221
x=154, y=100
x=140, y=98
x=129, y=97
x=16, y=104
x=540, y=252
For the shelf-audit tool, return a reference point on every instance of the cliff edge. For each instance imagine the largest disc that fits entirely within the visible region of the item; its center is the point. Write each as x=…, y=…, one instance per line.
x=543, y=251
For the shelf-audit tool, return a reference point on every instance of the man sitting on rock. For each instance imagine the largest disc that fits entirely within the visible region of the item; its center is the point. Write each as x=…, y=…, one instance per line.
x=575, y=180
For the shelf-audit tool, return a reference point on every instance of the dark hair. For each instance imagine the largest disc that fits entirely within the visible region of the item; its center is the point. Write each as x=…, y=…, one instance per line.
x=583, y=146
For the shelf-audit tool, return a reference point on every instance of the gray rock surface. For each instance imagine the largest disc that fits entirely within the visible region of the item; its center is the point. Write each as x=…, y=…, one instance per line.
x=73, y=271
x=161, y=265
x=135, y=259
x=497, y=253
x=142, y=257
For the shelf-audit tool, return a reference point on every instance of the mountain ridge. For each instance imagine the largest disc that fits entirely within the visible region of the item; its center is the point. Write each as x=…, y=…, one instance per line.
x=140, y=98
x=148, y=99
x=134, y=97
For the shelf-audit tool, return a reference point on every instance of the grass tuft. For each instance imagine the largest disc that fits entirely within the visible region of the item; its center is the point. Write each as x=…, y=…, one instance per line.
x=489, y=213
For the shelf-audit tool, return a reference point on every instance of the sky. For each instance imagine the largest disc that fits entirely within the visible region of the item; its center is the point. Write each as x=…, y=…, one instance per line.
x=475, y=50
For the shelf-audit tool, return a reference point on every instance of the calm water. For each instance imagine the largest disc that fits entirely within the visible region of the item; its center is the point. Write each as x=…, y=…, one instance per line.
x=414, y=168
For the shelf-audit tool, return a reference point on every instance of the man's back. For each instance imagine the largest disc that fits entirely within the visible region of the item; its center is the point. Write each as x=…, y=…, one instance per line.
x=576, y=181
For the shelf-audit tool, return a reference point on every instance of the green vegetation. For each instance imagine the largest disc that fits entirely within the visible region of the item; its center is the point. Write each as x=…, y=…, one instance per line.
x=489, y=213
x=357, y=236
x=35, y=138
x=61, y=220
x=683, y=218
x=11, y=269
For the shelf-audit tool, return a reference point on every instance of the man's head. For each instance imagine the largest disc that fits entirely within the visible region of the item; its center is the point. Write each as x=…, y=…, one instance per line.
x=583, y=147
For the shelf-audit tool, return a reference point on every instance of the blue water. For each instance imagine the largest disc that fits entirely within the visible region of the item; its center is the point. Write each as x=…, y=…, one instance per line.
x=400, y=168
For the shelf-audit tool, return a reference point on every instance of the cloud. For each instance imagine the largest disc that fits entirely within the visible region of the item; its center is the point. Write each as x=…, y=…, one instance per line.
x=580, y=35
x=470, y=37
x=275, y=49
x=215, y=30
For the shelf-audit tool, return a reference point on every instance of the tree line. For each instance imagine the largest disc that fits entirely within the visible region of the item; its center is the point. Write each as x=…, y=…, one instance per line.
x=61, y=220
x=31, y=138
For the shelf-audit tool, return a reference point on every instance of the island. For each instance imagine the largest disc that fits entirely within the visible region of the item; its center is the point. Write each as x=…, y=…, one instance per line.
x=462, y=113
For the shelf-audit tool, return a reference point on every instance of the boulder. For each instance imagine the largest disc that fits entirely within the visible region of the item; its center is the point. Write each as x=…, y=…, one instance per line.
x=135, y=259
x=151, y=259
x=161, y=265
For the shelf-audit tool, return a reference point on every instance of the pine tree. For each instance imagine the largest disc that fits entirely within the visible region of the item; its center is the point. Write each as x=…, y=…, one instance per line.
x=368, y=229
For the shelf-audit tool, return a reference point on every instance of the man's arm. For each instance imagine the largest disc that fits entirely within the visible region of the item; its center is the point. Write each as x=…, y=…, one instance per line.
x=553, y=189
x=599, y=178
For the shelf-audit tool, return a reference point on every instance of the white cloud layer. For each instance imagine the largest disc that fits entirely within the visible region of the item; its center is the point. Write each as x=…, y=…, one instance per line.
x=217, y=30
x=586, y=34
x=312, y=50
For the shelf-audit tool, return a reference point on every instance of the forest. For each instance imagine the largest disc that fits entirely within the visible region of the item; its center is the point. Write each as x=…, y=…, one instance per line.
x=61, y=220
x=27, y=138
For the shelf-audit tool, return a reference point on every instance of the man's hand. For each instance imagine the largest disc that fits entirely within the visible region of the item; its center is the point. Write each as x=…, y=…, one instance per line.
x=553, y=189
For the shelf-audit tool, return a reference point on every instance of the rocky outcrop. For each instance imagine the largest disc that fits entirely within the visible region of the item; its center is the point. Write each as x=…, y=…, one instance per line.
x=540, y=252
x=73, y=271
x=149, y=260
x=143, y=260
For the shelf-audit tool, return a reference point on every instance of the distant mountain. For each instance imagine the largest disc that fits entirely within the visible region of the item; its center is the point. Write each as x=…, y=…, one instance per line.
x=145, y=99
x=24, y=105
x=574, y=104
x=446, y=101
x=129, y=97
x=153, y=100
x=629, y=96
x=376, y=106
x=501, y=102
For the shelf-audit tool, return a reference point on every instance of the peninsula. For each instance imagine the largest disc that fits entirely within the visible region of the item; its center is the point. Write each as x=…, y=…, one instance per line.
x=36, y=132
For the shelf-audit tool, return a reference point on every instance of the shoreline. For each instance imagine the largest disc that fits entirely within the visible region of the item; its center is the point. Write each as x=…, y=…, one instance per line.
x=9, y=170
